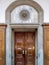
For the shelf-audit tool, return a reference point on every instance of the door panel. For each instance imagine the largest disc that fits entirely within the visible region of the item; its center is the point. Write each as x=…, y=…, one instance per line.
x=30, y=48
x=46, y=46
x=19, y=47
x=2, y=48
x=24, y=48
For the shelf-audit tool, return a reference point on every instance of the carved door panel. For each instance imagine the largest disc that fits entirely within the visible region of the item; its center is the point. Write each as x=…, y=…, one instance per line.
x=30, y=48
x=19, y=47
x=46, y=46
x=24, y=48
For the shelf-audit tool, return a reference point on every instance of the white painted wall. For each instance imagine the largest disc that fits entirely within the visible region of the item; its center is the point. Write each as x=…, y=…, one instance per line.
x=5, y=3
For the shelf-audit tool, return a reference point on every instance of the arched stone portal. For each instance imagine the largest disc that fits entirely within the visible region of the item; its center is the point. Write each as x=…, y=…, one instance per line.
x=34, y=4
x=12, y=27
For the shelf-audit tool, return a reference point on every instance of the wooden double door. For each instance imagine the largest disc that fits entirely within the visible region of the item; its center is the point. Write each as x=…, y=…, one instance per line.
x=24, y=48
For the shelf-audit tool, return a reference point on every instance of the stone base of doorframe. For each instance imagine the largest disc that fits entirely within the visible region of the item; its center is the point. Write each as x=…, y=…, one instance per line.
x=10, y=42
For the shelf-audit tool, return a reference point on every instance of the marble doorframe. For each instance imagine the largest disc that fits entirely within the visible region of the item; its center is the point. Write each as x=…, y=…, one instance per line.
x=10, y=42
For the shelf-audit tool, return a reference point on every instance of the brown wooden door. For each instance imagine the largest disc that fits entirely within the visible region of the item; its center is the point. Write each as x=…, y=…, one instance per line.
x=24, y=48
x=2, y=45
x=46, y=45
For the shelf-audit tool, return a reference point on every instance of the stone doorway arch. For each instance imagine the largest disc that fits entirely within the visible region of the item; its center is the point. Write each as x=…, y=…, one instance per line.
x=38, y=26
x=32, y=3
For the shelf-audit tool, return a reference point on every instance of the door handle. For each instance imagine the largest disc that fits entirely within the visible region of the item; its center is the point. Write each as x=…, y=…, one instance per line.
x=23, y=52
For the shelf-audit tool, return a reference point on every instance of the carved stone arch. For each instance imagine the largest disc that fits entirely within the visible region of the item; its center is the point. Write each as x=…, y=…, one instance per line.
x=32, y=3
